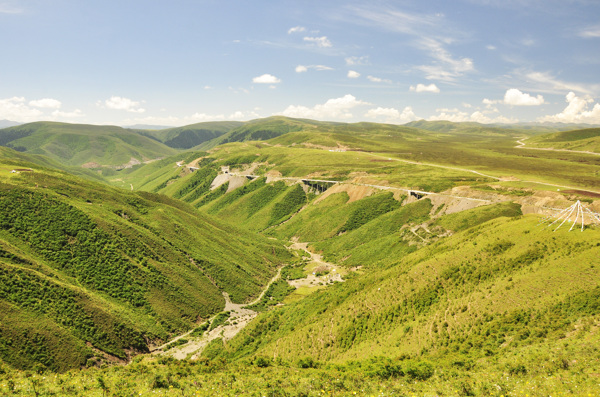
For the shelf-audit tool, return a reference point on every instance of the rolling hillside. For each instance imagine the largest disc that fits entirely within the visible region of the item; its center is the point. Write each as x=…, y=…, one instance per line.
x=110, y=273
x=89, y=146
x=192, y=135
x=581, y=140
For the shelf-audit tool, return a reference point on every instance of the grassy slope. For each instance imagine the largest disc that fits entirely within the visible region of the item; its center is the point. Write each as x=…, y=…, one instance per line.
x=481, y=294
x=79, y=256
x=77, y=144
x=586, y=140
x=192, y=135
x=377, y=147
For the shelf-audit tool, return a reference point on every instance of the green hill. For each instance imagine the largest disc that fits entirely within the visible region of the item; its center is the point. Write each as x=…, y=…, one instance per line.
x=503, y=295
x=90, y=146
x=90, y=272
x=192, y=135
x=584, y=140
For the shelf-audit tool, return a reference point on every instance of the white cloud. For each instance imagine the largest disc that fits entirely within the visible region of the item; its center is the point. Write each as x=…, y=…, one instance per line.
x=589, y=33
x=391, y=115
x=378, y=79
x=364, y=60
x=528, y=42
x=353, y=75
x=446, y=68
x=396, y=20
x=48, y=103
x=296, y=29
x=194, y=118
x=336, y=108
x=121, y=103
x=458, y=116
x=548, y=81
x=322, y=42
x=303, y=68
x=576, y=111
x=425, y=88
x=240, y=90
x=58, y=114
x=490, y=47
x=15, y=109
x=8, y=9
x=207, y=87
x=266, y=79
x=239, y=115
x=515, y=97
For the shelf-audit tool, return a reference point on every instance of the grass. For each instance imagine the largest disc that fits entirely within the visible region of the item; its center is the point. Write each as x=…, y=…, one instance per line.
x=112, y=268
x=78, y=144
x=477, y=302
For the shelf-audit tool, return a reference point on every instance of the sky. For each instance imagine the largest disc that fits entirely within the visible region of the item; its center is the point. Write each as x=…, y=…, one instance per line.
x=179, y=62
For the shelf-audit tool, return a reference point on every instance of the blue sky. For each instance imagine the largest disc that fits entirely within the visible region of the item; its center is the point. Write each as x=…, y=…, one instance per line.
x=180, y=62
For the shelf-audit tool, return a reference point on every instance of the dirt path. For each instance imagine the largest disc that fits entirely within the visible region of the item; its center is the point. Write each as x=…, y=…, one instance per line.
x=239, y=317
x=313, y=280
x=521, y=145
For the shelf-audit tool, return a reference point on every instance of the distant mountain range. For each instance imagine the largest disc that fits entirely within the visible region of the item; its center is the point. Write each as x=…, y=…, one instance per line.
x=8, y=123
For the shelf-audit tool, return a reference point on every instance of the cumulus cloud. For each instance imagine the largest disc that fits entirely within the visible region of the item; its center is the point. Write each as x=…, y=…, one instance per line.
x=457, y=116
x=378, y=79
x=266, y=79
x=194, y=118
x=425, y=88
x=392, y=115
x=364, y=60
x=59, y=114
x=336, y=108
x=296, y=29
x=239, y=115
x=16, y=109
x=577, y=111
x=321, y=42
x=515, y=97
x=303, y=68
x=48, y=103
x=121, y=103
x=490, y=47
x=353, y=75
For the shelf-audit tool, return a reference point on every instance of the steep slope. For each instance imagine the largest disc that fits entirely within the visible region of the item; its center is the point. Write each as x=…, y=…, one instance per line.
x=90, y=146
x=192, y=135
x=107, y=272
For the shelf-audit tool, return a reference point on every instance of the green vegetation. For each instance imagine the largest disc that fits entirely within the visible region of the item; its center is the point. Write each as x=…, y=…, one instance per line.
x=88, y=145
x=584, y=140
x=112, y=269
x=192, y=135
x=441, y=295
x=274, y=295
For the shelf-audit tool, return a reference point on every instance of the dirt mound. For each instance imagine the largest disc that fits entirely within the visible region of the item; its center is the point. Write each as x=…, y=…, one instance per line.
x=354, y=192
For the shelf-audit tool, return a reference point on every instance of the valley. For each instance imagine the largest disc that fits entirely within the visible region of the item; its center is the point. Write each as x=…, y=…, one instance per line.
x=298, y=257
